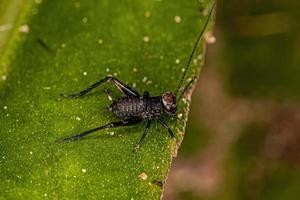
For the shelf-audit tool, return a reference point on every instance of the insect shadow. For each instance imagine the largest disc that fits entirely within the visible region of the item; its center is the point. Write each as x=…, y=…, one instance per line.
x=133, y=107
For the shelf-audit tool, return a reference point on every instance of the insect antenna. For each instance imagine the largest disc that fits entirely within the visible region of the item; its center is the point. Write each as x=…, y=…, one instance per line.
x=187, y=86
x=192, y=54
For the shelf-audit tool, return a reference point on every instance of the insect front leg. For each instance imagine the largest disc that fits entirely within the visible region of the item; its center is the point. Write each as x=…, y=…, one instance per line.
x=165, y=125
x=126, y=122
x=121, y=86
x=146, y=130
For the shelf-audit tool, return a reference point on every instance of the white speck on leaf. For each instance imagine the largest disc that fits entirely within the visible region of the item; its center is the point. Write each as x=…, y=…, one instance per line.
x=83, y=170
x=111, y=133
x=134, y=70
x=177, y=61
x=84, y=20
x=146, y=39
x=5, y=107
x=100, y=41
x=177, y=19
x=107, y=69
x=145, y=79
x=84, y=73
x=143, y=176
x=78, y=118
x=180, y=115
x=24, y=28
x=134, y=85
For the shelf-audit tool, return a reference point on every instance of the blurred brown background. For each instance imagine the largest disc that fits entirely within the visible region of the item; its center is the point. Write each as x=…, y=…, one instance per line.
x=243, y=134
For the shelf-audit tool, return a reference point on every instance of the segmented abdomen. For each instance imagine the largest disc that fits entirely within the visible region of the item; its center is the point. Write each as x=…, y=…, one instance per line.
x=137, y=107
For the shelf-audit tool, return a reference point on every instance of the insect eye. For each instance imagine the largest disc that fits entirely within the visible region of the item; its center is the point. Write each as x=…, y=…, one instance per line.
x=169, y=102
x=169, y=98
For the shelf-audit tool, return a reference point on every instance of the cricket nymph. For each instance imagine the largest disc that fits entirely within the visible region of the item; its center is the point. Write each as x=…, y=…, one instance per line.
x=134, y=108
x=144, y=106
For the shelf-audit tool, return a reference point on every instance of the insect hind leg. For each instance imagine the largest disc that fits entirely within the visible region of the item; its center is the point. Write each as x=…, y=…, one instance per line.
x=121, y=86
x=126, y=122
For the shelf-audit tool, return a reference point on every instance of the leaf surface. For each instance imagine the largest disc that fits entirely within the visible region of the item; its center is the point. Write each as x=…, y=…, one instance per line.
x=65, y=46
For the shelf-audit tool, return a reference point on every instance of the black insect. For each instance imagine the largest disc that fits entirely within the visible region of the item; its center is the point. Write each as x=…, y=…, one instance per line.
x=134, y=108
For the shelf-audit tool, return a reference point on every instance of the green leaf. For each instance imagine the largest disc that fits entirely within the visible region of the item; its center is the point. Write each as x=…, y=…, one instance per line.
x=63, y=47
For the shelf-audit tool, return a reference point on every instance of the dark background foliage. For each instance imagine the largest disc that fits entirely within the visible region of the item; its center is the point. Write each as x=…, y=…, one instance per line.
x=243, y=136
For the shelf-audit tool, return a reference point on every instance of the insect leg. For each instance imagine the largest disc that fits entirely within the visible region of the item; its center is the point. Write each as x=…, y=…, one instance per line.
x=165, y=125
x=143, y=136
x=122, y=87
x=126, y=122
